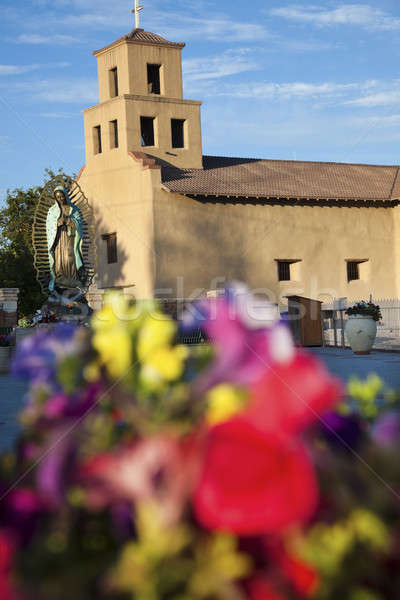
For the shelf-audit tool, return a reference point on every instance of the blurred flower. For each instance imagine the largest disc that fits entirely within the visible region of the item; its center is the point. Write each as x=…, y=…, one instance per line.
x=260, y=588
x=111, y=337
x=19, y=512
x=224, y=401
x=7, y=551
x=365, y=393
x=164, y=364
x=38, y=355
x=242, y=352
x=291, y=397
x=303, y=578
x=342, y=430
x=157, y=332
x=55, y=470
x=249, y=481
x=160, y=469
x=386, y=430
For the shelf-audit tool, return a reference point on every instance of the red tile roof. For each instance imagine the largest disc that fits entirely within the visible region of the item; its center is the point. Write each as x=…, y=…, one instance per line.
x=256, y=178
x=139, y=36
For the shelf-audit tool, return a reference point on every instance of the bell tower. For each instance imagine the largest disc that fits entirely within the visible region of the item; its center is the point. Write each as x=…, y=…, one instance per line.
x=141, y=106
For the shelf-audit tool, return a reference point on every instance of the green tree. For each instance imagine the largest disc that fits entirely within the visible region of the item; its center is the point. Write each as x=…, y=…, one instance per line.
x=16, y=251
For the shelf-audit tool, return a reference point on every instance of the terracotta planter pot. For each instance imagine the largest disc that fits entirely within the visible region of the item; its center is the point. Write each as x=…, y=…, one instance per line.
x=361, y=333
x=5, y=355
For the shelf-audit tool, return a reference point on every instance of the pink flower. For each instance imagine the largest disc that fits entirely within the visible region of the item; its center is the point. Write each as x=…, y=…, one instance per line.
x=161, y=469
x=292, y=396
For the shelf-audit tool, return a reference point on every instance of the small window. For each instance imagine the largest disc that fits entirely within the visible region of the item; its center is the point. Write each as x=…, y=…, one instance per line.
x=111, y=242
x=153, y=79
x=113, y=77
x=114, y=134
x=285, y=269
x=178, y=133
x=147, y=131
x=97, y=139
x=353, y=269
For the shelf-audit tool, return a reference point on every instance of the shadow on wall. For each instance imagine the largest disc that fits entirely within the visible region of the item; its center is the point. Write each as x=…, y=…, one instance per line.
x=196, y=252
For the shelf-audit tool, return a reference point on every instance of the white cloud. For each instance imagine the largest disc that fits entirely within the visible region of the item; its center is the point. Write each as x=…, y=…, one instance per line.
x=362, y=15
x=63, y=91
x=286, y=91
x=164, y=17
x=17, y=69
x=379, y=99
x=39, y=39
x=228, y=63
x=216, y=29
x=77, y=91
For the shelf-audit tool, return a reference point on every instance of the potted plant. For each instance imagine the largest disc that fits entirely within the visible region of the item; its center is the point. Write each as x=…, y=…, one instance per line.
x=360, y=327
x=5, y=353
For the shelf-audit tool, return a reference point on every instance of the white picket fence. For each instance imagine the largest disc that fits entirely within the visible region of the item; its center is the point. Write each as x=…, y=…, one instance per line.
x=388, y=330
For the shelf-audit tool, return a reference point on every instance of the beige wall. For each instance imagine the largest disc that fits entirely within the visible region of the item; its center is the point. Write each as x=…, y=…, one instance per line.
x=120, y=192
x=134, y=101
x=131, y=61
x=201, y=241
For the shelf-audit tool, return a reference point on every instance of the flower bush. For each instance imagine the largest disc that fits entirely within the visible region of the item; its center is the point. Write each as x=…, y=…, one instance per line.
x=367, y=309
x=233, y=470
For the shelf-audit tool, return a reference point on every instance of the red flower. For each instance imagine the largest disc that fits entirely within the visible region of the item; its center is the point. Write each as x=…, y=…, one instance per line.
x=7, y=551
x=302, y=577
x=259, y=588
x=290, y=397
x=253, y=483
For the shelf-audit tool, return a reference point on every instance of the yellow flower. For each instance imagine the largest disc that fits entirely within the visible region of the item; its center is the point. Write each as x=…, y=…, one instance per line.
x=114, y=347
x=91, y=372
x=157, y=331
x=112, y=338
x=224, y=401
x=163, y=365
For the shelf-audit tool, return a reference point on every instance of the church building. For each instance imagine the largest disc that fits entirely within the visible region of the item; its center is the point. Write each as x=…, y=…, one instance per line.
x=174, y=223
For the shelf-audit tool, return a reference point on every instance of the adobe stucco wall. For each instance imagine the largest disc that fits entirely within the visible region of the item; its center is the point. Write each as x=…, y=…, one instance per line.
x=120, y=192
x=200, y=241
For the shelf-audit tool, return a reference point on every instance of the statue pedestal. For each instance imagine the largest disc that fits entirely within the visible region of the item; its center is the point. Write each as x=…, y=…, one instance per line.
x=71, y=312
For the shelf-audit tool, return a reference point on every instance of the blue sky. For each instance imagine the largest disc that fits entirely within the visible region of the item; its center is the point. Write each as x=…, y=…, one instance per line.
x=311, y=81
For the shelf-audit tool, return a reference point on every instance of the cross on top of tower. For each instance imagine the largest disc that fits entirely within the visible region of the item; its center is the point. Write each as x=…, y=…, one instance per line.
x=136, y=12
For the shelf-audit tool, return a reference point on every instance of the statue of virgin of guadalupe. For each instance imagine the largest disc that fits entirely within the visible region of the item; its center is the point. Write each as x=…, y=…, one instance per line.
x=64, y=229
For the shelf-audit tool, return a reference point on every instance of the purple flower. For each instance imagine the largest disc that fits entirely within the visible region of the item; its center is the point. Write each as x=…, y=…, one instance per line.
x=19, y=511
x=37, y=356
x=53, y=473
x=246, y=334
x=342, y=431
x=386, y=431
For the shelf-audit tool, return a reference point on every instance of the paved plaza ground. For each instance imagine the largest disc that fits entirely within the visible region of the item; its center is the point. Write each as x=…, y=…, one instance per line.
x=341, y=362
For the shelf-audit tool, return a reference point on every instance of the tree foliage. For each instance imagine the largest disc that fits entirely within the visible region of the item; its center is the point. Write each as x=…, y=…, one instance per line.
x=16, y=250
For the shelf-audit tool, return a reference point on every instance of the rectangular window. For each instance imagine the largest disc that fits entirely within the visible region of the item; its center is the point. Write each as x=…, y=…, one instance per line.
x=113, y=79
x=283, y=270
x=289, y=269
x=147, y=131
x=153, y=79
x=178, y=133
x=97, y=139
x=114, y=134
x=111, y=245
x=353, y=269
